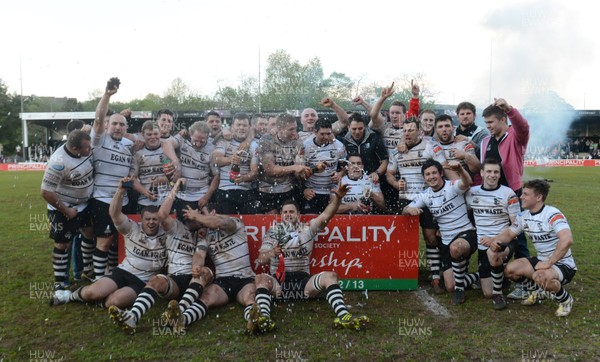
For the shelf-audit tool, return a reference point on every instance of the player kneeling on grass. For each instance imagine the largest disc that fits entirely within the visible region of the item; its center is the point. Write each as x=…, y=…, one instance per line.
x=446, y=202
x=551, y=236
x=288, y=246
x=228, y=249
x=145, y=256
x=495, y=208
x=187, y=278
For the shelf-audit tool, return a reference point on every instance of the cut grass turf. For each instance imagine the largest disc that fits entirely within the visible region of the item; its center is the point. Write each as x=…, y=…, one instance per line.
x=402, y=327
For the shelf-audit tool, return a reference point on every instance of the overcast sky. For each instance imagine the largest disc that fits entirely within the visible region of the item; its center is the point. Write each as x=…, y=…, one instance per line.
x=70, y=48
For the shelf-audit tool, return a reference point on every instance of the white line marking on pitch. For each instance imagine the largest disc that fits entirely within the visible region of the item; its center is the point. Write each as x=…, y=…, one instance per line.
x=431, y=304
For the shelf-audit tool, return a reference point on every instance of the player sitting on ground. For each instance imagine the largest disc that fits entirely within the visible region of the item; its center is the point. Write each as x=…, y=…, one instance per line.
x=186, y=251
x=291, y=242
x=228, y=249
x=551, y=236
x=145, y=256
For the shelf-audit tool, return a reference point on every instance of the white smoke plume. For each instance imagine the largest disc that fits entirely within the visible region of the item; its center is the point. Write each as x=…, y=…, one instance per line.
x=532, y=55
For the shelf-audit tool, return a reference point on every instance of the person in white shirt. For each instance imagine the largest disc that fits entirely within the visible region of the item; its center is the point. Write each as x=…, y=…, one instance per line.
x=145, y=256
x=551, y=236
x=445, y=200
x=495, y=208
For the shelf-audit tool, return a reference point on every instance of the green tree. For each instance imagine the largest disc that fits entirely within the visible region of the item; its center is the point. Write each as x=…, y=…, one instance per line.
x=197, y=102
x=244, y=97
x=176, y=94
x=10, y=123
x=402, y=92
x=339, y=87
x=291, y=85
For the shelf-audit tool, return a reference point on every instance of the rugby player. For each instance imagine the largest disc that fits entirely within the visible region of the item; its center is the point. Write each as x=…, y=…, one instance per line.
x=147, y=170
x=550, y=234
x=282, y=159
x=196, y=155
x=508, y=143
x=113, y=155
x=145, y=256
x=461, y=150
x=494, y=208
x=228, y=249
x=446, y=202
x=427, y=119
x=237, y=196
x=467, y=113
x=392, y=130
x=309, y=118
x=291, y=242
x=404, y=174
x=186, y=251
x=320, y=151
x=362, y=193
x=67, y=185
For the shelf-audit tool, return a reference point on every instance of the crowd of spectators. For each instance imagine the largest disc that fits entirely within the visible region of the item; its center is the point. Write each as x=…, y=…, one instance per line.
x=571, y=148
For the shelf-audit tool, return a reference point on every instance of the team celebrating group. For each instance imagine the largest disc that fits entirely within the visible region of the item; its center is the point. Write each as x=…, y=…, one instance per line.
x=465, y=184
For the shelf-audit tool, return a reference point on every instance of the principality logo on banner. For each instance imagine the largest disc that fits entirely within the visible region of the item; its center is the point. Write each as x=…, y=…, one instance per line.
x=367, y=252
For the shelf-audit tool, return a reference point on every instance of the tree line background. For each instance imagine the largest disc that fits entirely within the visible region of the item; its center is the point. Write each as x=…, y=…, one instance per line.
x=286, y=84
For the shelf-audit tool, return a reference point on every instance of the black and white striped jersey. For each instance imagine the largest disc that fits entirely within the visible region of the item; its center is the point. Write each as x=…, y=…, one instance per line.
x=329, y=154
x=492, y=209
x=70, y=177
x=112, y=162
x=196, y=168
x=181, y=246
x=408, y=165
x=284, y=153
x=297, y=246
x=542, y=228
x=229, y=251
x=448, y=208
x=145, y=255
x=148, y=166
x=229, y=148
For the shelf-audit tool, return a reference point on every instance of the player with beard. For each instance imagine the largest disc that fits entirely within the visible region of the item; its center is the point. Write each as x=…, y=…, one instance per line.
x=282, y=158
x=290, y=243
x=145, y=255
x=362, y=193
x=150, y=180
x=550, y=233
x=404, y=174
x=369, y=144
x=67, y=185
x=197, y=167
x=228, y=249
x=236, y=196
x=494, y=209
x=461, y=151
x=322, y=157
x=392, y=132
x=466, y=113
x=446, y=202
x=187, y=276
